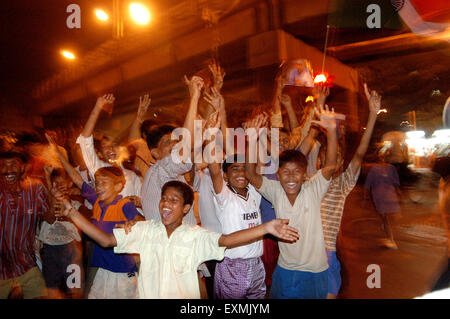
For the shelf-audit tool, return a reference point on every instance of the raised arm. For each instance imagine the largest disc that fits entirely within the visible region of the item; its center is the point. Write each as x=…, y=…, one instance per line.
x=277, y=120
x=93, y=117
x=251, y=169
x=195, y=85
x=374, y=106
x=98, y=235
x=276, y=227
x=71, y=171
x=328, y=122
x=287, y=103
x=135, y=129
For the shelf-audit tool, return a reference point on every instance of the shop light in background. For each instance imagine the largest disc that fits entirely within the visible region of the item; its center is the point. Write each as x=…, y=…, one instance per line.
x=382, y=111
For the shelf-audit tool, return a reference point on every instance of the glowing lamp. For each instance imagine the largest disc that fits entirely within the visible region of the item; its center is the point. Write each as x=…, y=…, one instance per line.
x=68, y=55
x=309, y=99
x=320, y=78
x=139, y=13
x=382, y=111
x=101, y=15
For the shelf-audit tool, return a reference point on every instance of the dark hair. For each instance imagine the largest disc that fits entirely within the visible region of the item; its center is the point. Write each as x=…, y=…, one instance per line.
x=442, y=166
x=156, y=132
x=293, y=156
x=59, y=172
x=236, y=158
x=184, y=189
x=21, y=155
x=146, y=126
x=113, y=172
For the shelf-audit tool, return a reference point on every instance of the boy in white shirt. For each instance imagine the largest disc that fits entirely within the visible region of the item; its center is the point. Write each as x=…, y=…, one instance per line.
x=241, y=274
x=109, y=150
x=171, y=251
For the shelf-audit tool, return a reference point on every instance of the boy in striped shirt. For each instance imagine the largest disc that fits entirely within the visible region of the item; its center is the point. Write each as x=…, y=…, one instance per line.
x=341, y=185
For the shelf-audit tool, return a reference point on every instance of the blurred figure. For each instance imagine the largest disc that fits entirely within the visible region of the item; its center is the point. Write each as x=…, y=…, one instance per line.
x=383, y=182
x=442, y=167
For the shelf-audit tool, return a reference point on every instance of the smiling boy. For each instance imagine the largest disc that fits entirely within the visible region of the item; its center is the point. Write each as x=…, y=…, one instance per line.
x=241, y=274
x=171, y=251
x=301, y=269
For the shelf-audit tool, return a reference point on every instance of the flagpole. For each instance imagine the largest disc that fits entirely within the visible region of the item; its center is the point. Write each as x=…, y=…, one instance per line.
x=325, y=48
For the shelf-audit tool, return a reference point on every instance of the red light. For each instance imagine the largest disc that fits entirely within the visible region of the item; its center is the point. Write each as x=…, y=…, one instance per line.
x=320, y=78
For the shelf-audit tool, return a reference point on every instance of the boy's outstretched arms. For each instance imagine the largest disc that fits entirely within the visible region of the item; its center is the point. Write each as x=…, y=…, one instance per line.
x=276, y=227
x=374, y=100
x=98, y=235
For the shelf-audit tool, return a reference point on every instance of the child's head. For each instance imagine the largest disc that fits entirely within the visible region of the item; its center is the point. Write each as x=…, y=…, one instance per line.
x=107, y=149
x=159, y=142
x=109, y=182
x=234, y=171
x=292, y=171
x=284, y=139
x=61, y=181
x=176, y=200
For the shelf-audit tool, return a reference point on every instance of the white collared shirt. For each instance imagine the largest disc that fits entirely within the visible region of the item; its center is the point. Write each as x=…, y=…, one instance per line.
x=168, y=267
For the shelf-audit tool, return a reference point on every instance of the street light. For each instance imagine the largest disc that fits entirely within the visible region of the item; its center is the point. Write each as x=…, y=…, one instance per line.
x=101, y=15
x=68, y=55
x=139, y=13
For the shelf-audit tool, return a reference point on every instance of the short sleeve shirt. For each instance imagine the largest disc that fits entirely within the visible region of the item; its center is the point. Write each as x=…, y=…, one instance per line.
x=169, y=265
x=235, y=213
x=308, y=253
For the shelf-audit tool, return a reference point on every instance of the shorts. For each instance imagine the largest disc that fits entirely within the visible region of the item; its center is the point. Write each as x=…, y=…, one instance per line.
x=295, y=284
x=32, y=284
x=240, y=279
x=334, y=273
x=113, y=285
x=56, y=260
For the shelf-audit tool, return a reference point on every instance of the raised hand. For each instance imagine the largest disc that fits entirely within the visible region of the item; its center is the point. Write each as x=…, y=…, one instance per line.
x=286, y=99
x=104, y=100
x=218, y=74
x=257, y=122
x=281, y=229
x=215, y=99
x=374, y=100
x=327, y=118
x=195, y=85
x=144, y=103
x=321, y=92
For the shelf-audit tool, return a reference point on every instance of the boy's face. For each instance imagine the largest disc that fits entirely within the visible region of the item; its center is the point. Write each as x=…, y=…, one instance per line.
x=291, y=176
x=164, y=148
x=106, y=188
x=109, y=150
x=235, y=175
x=11, y=170
x=62, y=184
x=284, y=141
x=171, y=207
